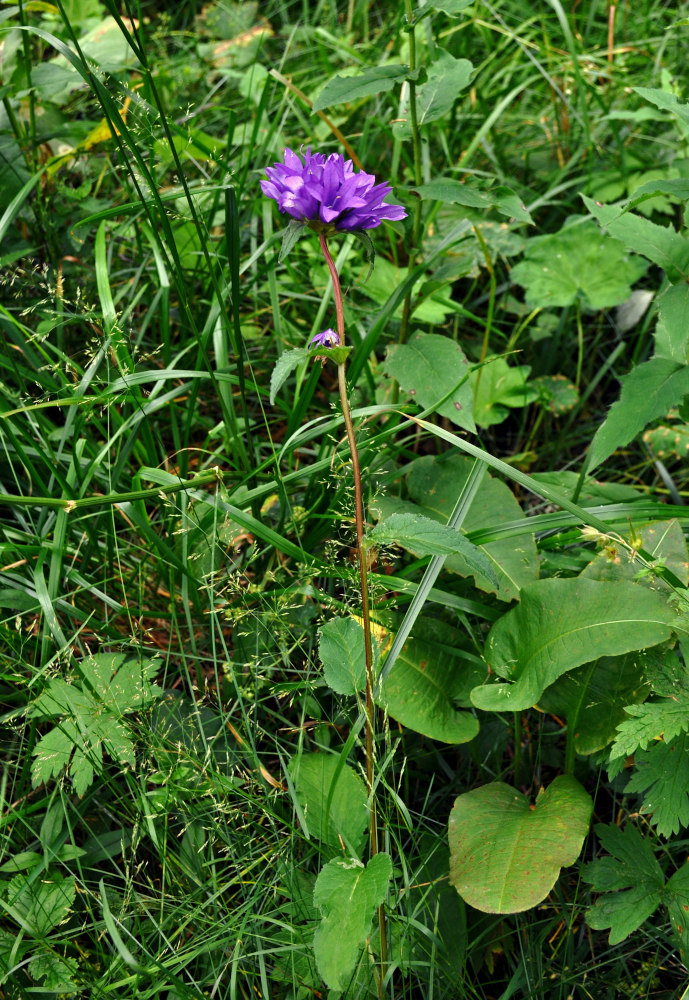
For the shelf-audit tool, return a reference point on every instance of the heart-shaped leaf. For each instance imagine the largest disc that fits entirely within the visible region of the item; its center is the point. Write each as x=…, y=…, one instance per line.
x=506, y=854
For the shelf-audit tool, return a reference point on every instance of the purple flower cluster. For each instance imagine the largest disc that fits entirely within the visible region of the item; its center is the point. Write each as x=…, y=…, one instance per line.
x=327, y=190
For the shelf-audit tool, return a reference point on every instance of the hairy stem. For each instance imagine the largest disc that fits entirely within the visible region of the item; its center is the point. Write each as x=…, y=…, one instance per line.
x=363, y=578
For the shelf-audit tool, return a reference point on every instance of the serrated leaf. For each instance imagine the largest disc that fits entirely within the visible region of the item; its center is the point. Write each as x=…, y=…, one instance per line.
x=346, y=89
x=661, y=777
x=505, y=854
x=648, y=392
x=427, y=537
x=51, y=968
x=577, y=262
x=42, y=903
x=347, y=894
x=333, y=799
x=420, y=692
x=284, y=366
x=631, y=879
x=561, y=624
x=676, y=898
x=453, y=192
x=447, y=77
x=429, y=368
x=672, y=328
x=651, y=721
x=120, y=682
x=659, y=244
x=342, y=653
x=666, y=102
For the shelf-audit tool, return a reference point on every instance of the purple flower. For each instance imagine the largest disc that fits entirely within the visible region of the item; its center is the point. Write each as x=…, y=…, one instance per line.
x=327, y=190
x=326, y=339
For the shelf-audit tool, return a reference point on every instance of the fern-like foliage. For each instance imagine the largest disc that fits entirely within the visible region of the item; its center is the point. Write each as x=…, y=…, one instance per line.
x=661, y=776
x=89, y=715
x=664, y=719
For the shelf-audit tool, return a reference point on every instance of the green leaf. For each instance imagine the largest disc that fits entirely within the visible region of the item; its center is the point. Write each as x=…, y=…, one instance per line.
x=505, y=854
x=447, y=77
x=593, y=698
x=347, y=894
x=58, y=976
x=121, y=683
x=42, y=902
x=648, y=392
x=334, y=805
x=631, y=879
x=663, y=541
x=453, y=8
x=452, y=192
x=574, y=262
x=666, y=102
x=561, y=624
x=661, y=777
x=427, y=537
x=347, y=89
x=435, y=484
x=342, y=653
x=556, y=393
x=292, y=232
x=420, y=692
x=284, y=366
x=429, y=368
x=668, y=442
x=660, y=244
x=672, y=328
x=654, y=720
x=676, y=898
x=497, y=386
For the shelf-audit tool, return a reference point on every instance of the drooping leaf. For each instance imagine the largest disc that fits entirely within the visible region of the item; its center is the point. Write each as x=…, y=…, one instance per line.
x=453, y=192
x=347, y=89
x=435, y=484
x=577, y=261
x=420, y=693
x=505, y=854
x=334, y=804
x=593, y=698
x=427, y=537
x=342, y=653
x=499, y=387
x=648, y=392
x=560, y=624
x=661, y=777
x=660, y=244
x=631, y=880
x=347, y=894
x=447, y=78
x=430, y=367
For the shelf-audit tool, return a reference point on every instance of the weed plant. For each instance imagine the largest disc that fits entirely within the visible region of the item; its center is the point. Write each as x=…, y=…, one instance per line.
x=188, y=797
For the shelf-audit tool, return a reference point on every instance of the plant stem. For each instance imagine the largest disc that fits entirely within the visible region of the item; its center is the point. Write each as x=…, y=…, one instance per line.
x=416, y=153
x=363, y=578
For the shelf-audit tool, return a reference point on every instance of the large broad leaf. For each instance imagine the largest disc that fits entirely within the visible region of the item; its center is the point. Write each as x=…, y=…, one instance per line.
x=561, y=624
x=648, y=392
x=431, y=367
x=505, y=853
x=345, y=89
x=660, y=244
x=447, y=77
x=436, y=483
x=593, y=698
x=347, y=893
x=574, y=262
x=420, y=692
x=333, y=804
x=343, y=655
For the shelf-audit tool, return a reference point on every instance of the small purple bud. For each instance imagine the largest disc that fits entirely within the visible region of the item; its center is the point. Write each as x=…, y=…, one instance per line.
x=326, y=339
